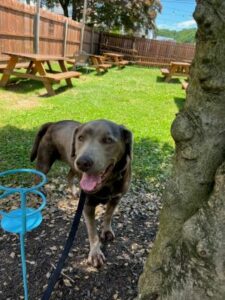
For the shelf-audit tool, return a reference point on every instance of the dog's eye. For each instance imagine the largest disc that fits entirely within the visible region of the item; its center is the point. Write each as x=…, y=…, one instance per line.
x=107, y=140
x=81, y=138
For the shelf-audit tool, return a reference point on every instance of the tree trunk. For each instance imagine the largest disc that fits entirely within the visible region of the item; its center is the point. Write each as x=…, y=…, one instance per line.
x=74, y=11
x=77, y=10
x=188, y=257
x=64, y=5
x=65, y=10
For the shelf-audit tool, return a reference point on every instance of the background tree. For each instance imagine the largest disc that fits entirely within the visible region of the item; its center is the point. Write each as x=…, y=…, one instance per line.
x=129, y=15
x=64, y=4
x=77, y=9
x=181, y=36
x=109, y=15
x=188, y=257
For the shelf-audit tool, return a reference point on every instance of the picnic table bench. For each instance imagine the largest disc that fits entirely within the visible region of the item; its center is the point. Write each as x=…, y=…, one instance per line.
x=116, y=59
x=36, y=71
x=128, y=52
x=99, y=63
x=176, y=69
x=19, y=65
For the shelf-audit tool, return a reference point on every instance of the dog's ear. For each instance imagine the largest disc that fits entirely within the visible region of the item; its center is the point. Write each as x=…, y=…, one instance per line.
x=73, y=150
x=127, y=137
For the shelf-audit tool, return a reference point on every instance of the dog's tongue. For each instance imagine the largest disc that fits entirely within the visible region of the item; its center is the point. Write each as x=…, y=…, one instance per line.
x=89, y=182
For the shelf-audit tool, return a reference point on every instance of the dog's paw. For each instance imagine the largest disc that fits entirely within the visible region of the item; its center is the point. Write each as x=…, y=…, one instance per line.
x=96, y=258
x=107, y=235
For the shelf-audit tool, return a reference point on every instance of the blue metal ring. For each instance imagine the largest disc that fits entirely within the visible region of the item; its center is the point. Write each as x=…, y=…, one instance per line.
x=25, y=218
x=43, y=204
x=23, y=190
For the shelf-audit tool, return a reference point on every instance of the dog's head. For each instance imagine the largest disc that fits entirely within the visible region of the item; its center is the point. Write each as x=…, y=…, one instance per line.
x=97, y=147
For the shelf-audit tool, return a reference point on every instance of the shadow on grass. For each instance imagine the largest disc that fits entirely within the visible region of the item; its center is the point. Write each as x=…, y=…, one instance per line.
x=83, y=70
x=23, y=86
x=58, y=90
x=101, y=73
x=179, y=102
x=172, y=80
x=150, y=163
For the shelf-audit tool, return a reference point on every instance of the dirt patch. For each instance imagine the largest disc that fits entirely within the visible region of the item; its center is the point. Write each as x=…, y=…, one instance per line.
x=13, y=103
x=135, y=224
x=25, y=104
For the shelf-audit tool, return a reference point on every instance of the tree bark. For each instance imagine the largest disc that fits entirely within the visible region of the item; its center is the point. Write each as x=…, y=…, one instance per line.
x=188, y=257
x=65, y=11
x=77, y=10
x=64, y=5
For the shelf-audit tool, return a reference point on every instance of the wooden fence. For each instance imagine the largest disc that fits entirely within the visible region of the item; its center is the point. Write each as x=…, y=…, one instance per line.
x=58, y=35
x=145, y=51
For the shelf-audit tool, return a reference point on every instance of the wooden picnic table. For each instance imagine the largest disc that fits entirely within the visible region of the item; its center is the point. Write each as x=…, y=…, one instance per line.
x=181, y=64
x=114, y=55
x=36, y=70
x=176, y=68
x=99, y=63
x=116, y=58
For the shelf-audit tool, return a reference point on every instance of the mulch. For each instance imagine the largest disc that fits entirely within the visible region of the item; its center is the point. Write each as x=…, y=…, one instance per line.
x=135, y=224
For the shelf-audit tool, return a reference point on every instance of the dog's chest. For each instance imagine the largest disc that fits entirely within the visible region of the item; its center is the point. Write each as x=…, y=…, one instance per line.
x=105, y=195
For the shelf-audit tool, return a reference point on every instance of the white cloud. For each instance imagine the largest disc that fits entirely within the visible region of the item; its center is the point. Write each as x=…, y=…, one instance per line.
x=186, y=24
x=178, y=26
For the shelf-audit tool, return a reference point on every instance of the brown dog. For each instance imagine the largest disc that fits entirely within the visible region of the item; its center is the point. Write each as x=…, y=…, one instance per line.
x=99, y=153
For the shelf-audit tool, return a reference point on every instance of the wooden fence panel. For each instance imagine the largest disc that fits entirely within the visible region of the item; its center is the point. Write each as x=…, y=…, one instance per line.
x=17, y=23
x=96, y=43
x=16, y=27
x=145, y=51
x=73, y=38
x=87, y=39
x=56, y=38
x=51, y=33
x=184, y=51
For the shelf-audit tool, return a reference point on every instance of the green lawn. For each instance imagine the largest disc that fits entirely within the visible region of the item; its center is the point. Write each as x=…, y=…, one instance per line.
x=136, y=97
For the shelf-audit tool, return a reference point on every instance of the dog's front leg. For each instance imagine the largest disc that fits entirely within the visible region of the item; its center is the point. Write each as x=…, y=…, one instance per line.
x=107, y=233
x=95, y=257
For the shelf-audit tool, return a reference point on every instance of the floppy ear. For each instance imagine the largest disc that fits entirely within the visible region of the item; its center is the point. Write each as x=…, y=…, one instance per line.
x=73, y=150
x=128, y=140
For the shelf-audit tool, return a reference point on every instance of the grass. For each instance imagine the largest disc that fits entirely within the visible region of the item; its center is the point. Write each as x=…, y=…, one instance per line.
x=136, y=97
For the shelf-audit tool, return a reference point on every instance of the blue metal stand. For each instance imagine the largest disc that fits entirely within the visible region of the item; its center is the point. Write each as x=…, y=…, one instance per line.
x=24, y=218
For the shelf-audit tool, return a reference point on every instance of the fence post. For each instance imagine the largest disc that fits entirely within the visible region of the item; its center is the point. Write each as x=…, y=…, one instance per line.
x=134, y=49
x=134, y=43
x=65, y=37
x=37, y=28
x=100, y=38
x=92, y=39
x=83, y=25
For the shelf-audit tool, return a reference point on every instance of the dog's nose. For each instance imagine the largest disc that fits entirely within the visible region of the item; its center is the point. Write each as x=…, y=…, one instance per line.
x=84, y=163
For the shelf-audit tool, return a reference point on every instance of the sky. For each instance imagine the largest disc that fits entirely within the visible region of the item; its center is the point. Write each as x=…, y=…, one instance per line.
x=176, y=14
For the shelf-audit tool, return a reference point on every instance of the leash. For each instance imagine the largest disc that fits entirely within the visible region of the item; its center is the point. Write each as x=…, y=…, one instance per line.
x=69, y=242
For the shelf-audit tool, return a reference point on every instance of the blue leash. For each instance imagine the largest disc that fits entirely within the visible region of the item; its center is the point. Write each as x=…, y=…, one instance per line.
x=69, y=242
